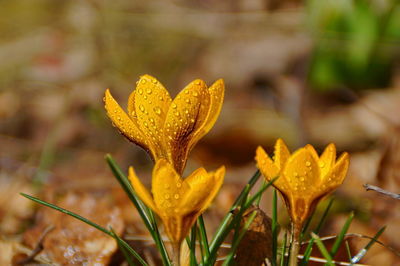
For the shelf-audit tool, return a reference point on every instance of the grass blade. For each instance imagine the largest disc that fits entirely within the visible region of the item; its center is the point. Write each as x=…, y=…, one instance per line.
x=83, y=219
x=341, y=235
x=144, y=212
x=307, y=252
x=226, y=224
x=274, y=226
x=362, y=252
x=237, y=240
x=192, y=245
x=323, y=249
x=203, y=236
x=122, y=248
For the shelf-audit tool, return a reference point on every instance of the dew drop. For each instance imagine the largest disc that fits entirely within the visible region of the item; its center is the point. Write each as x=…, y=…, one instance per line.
x=197, y=82
x=174, y=106
x=133, y=114
x=140, y=91
x=168, y=125
x=186, y=111
x=195, y=94
x=161, y=98
x=145, y=97
x=308, y=163
x=149, y=91
x=167, y=186
x=176, y=196
x=157, y=110
x=167, y=196
x=143, y=81
x=141, y=107
x=302, y=179
x=192, y=120
x=296, y=174
x=154, y=81
x=151, y=120
x=186, y=91
x=177, y=113
x=145, y=124
x=187, y=101
x=178, y=185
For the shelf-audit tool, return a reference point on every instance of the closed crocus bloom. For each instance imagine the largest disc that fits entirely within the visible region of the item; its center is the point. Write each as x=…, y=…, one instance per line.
x=303, y=177
x=178, y=202
x=164, y=127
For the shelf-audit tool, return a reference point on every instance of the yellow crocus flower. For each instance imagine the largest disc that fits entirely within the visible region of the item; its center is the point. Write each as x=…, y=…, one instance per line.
x=304, y=177
x=164, y=127
x=178, y=202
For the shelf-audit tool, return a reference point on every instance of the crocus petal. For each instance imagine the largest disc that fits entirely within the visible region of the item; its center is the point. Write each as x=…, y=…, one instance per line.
x=216, y=91
x=151, y=104
x=266, y=165
x=203, y=188
x=281, y=153
x=124, y=123
x=302, y=173
x=186, y=114
x=141, y=190
x=167, y=187
x=327, y=159
x=336, y=175
x=314, y=153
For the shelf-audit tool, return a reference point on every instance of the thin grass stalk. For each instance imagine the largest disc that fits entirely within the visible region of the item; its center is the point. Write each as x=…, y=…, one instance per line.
x=225, y=225
x=341, y=235
x=362, y=252
x=307, y=252
x=203, y=236
x=83, y=219
x=274, y=227
x=323, y=250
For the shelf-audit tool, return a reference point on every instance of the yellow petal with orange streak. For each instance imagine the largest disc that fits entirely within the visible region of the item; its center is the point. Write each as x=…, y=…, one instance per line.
x=216, y=91
x=185, y=116
x=125, y=125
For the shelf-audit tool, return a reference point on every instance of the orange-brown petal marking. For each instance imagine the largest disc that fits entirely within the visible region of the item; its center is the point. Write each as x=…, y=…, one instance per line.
x=216, y=91
x=123, y=122
x=168, y=188
x=302, y=172
x=141, y=190
x=186, y=114
x=151, y=103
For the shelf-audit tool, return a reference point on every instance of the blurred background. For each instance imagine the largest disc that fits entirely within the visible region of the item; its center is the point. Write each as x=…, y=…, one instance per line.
x=306, y=71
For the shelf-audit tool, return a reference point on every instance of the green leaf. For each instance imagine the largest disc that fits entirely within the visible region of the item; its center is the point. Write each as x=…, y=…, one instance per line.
x=341, y=236
x=282, y=262
x=237, y=240
x=323, y=249
x=363, y=251
x=274, y=227
x=122, y=248
x=226, y=224
x=83, y=219
x=203, y=237
x=145, y=213
x=307, y=252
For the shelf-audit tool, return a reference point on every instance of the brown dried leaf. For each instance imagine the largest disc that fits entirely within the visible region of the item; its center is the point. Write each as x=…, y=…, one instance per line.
x=72, y=241
x=256, y=245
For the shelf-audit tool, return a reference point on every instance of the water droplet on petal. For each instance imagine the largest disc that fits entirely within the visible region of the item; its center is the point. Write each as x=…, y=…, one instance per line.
x=157, y=110
x=166, y=196
x=149, y=91
x=187, y=101
x=178, y=185
x=176, y=196
x=186, y=91
x=195, y=94
x=308, y=163
x=140, y=91
x=197, y=82
x=322, y=165
x=143, y=81
x=141, y=107
x=174, y=106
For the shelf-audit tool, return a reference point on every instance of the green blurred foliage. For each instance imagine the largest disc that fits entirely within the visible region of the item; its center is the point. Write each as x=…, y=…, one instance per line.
x=356, y=43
